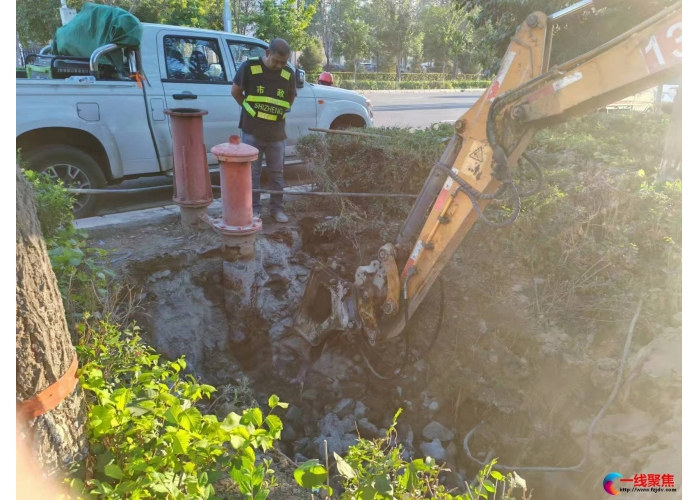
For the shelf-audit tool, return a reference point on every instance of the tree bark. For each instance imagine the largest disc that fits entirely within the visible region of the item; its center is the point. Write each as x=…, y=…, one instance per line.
x=43, y=346
x=670, y=168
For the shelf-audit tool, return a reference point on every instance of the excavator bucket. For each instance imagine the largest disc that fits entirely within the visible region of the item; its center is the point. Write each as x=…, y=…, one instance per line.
x=328, y=305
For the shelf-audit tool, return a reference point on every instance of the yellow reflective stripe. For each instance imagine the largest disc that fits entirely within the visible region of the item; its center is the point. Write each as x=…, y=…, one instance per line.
x=269, y=100
x=266, y=116
x=256, y=70
x=285, y=74
x=248, y=108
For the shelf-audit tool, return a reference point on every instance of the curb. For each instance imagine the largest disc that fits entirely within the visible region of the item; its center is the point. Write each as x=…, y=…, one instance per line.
x=154, y=216
x=419, y=91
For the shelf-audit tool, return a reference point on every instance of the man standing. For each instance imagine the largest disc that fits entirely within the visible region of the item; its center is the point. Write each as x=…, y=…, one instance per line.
x=266, y=89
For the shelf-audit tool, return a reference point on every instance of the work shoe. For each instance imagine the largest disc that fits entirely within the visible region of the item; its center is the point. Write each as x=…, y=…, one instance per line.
x=280, y=216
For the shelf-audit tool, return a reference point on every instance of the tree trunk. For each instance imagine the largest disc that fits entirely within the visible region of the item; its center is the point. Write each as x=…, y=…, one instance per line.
x=659, y=99
x=398, y=71
x=43, y=347
x=670, y=168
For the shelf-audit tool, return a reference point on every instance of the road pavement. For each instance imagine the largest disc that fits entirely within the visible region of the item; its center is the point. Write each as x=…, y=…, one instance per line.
x=418, y=110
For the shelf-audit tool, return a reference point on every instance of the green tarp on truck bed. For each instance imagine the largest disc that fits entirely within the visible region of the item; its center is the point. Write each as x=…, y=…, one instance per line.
x=95, y=26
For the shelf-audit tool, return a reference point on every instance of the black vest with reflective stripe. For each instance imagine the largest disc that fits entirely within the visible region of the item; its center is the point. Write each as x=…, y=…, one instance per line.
x=266, y=100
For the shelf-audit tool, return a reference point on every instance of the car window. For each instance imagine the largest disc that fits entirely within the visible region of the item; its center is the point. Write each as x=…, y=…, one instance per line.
x=241, y=52
x=193, y=59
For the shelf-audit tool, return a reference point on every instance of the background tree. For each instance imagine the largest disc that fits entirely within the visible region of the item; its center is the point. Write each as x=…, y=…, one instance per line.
x=576, y=36
x=396, y=27
x=672, y=160
x=285, y=20
x=327, y=23
x=43, y=345
x=355, y=39
x=37, y=20
x=311, y=59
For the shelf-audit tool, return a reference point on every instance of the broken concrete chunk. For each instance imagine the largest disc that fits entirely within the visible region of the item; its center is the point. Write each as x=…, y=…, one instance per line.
x=435, y=430
x=435, y=450
x=360, y=409
x=367, y=429
x=607, y=364
x=343, y=407
x=434, y=406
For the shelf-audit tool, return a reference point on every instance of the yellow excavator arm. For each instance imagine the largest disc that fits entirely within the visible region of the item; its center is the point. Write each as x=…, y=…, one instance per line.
x=489, y=139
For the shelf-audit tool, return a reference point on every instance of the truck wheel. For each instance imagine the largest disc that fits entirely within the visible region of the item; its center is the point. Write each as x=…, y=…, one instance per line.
x=76, y=169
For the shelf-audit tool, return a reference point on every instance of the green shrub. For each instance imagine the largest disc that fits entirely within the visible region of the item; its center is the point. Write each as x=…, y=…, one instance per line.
x=405, y=77
x=54, y=203
x=149, y=439
x=376, y=470
x=311, y=59
x=82, y=273
x=398, y=163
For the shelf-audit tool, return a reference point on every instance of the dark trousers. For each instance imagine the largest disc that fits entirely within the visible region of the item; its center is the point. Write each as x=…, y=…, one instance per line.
x=273, y=153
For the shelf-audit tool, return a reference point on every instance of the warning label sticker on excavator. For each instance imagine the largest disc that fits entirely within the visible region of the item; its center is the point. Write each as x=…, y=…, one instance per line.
x=496, y=85
x=478, y=154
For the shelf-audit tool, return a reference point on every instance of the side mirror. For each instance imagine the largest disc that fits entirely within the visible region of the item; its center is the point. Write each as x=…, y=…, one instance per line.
x=301, y=78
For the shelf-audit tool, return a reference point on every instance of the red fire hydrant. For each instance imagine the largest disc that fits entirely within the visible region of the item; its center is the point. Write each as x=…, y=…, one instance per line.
x=236, y=188
x=192, y=182
x=237, y=227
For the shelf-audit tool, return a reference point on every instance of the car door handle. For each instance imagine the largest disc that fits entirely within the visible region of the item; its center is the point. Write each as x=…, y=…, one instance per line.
x=184, y=95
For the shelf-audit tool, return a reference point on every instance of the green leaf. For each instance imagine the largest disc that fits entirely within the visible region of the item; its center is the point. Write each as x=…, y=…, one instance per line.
x=231, y=421
x=190, y=419
x=188, y=467
x=275, y=425
x=488, y=486
x=181, y=441
x=252, y=416
x=237, y=441
x=137, y=411
x=241, y=431
x=310, y=474
x=497, y=475
x=383, y=485
x=344, y=468
x=262, y=494
x=171, y=414
x=273, y=401
x=249, y=453
x=113, y=471
x=242, y=480
x=366, y=493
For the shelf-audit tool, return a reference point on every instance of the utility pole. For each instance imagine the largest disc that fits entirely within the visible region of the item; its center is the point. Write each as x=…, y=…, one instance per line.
x=228, y=28
x=66, y=14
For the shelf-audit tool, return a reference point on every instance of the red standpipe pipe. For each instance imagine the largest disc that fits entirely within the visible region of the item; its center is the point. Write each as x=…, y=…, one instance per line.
x=190, y=170
x=236, y=188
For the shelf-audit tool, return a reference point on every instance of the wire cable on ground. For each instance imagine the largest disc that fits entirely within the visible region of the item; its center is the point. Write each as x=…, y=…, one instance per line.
x=591, y=428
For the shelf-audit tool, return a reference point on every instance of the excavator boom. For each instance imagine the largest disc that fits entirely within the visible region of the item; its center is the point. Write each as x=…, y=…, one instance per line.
x=489, y=139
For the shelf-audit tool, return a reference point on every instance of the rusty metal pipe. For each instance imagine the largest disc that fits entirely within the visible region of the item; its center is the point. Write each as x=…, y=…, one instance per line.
x=192, y=183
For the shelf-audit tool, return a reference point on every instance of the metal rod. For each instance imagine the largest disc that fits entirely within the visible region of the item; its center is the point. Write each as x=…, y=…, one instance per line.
x=340, y=195
x=431, y=188
x=344, y=132
x=270, y=191
x=571, y=9
x=95, y=57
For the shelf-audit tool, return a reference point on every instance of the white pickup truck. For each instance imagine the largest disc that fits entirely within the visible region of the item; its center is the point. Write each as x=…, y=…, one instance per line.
x=97, y=134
